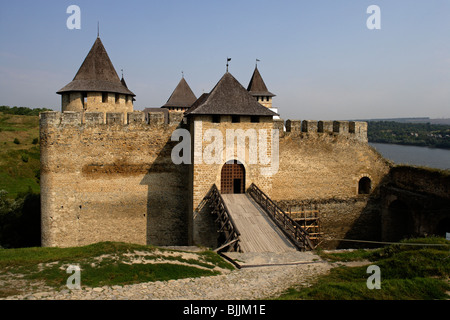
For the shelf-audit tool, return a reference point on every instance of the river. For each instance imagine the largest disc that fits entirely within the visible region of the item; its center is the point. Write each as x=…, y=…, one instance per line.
x=412, y=155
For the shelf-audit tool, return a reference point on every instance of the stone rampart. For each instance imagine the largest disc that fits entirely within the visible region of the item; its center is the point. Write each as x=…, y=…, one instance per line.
x=112, y=181
x=350, y=129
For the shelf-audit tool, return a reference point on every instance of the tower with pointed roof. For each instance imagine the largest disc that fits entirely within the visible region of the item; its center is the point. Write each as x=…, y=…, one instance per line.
x=96, y=87
x=237, y=121
x=258, y=89
x=181, y=98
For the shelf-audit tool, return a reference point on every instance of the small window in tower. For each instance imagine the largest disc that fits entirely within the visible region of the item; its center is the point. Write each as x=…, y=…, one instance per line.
x=104, y=97
x=216, y=118
x=117, y=98
x=254, y=119
x=84, y=100
x=235, y=119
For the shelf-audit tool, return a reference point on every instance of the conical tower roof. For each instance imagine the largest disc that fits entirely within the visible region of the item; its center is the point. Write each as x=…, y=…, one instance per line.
x=257, y=87
x=182, y=96
x=229, y=97
x=97, y=74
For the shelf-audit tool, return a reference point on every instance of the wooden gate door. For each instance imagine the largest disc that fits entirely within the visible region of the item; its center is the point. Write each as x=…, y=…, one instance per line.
x=232, y=178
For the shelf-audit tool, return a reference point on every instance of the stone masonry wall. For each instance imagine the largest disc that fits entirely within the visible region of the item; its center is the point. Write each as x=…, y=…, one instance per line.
x=112, y=181
x=94, y=102
x=110, y=177
x=321, y=163
x=205, y=175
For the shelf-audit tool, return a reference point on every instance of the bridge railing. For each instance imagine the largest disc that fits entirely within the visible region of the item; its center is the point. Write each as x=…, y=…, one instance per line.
x=292, y=229
x=226, y=224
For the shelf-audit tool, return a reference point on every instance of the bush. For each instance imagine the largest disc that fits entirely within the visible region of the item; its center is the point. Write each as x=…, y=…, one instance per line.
x=35, y=141
x=20, y=220
x=24, y=158
x=16, y=141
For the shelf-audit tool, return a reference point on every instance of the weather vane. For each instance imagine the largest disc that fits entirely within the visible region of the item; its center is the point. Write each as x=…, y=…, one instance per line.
x=257, y=60
x=228, y=60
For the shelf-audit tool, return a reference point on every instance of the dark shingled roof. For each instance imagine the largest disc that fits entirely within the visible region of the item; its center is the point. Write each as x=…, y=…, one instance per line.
x=97, y=74
x=229, y=97
x=199, y=101
x=182, y=96
x=257, y=87
x=125, y=85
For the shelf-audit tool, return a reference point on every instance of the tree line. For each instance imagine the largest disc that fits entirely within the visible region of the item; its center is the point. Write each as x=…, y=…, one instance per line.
x=23, y=111
x=417, y=134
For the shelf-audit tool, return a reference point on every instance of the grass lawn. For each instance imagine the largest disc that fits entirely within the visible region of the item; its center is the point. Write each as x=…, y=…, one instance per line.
x=407, y=273
x=106, y=263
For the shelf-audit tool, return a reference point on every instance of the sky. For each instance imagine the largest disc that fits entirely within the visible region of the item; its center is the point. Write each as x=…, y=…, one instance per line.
x=318, y=56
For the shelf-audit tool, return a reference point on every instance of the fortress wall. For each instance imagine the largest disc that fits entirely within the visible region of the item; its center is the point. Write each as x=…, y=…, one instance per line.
x=321, y=163
x=112, y=181
x=318, y=165
x=205, y=174
x=111, y=177
x=415, y=203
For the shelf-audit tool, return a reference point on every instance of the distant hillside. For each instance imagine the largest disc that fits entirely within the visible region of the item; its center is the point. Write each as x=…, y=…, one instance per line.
x=417, y=134
x=19, y=150
x=444, y=121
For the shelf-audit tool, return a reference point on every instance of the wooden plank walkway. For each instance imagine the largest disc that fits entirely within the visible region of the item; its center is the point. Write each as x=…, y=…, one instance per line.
x=258, y=232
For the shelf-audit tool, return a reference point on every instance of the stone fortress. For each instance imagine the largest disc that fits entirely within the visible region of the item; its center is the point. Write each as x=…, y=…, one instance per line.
x=107, y=172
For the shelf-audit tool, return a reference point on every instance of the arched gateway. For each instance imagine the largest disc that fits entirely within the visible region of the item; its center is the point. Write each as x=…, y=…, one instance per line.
x=232, y=178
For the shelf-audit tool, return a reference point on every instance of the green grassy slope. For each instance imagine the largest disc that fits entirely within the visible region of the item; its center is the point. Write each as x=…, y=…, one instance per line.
x=19, y=153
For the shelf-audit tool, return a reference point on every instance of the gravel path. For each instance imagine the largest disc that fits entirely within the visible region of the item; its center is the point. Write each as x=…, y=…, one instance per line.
x=246, y=283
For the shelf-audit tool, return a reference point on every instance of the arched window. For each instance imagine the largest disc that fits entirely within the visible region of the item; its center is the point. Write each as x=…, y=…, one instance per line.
x=364, y=185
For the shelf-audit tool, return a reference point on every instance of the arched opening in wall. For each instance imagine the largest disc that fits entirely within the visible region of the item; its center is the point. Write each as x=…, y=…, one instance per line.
x=232, y=178
x=443, y=227
x=364, y=185
x=401, y=220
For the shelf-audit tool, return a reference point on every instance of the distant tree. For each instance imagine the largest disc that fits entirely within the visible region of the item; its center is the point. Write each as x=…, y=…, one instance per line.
x=23, y=110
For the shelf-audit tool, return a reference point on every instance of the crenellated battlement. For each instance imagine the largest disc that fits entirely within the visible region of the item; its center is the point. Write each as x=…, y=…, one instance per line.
x=74, y=118
x=356, y=129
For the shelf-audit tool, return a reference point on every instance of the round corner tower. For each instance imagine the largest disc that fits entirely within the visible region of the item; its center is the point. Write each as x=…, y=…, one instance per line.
x=96, y=87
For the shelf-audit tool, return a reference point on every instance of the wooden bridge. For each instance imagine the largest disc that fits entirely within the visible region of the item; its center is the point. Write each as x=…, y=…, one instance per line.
x=251, y=222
